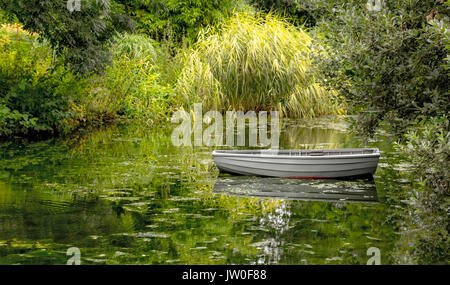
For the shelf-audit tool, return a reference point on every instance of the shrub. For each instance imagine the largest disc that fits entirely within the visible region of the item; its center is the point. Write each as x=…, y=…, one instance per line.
x=255, y=63
x=391, y=63
x=78, y=36
x=177, y=19
x=35, y=93
x=428, y=149
x=295, y=11
x=14, y=122
x=132, y=86
x=304, y=12
x=137, y=46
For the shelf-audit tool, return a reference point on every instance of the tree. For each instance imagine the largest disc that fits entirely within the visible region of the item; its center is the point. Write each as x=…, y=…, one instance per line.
x=177, y=20
x=390, y=61
x=78, y=30
x=306, y=13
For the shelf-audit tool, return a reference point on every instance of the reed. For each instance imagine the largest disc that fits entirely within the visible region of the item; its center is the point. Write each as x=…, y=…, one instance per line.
x=312, y=101
x=255, y=62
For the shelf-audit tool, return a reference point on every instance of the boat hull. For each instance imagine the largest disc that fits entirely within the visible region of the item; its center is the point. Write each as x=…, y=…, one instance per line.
x=265, y=164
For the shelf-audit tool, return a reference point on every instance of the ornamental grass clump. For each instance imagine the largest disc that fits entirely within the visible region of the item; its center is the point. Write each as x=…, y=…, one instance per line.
x=132, y=86
x=255, y=63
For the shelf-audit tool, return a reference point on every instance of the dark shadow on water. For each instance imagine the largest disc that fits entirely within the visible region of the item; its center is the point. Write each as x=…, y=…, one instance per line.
x=357, y=190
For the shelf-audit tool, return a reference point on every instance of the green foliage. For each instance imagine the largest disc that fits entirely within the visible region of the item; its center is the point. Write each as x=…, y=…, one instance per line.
x=13, y=121
x=175, y=19
x=295, y=11
x=35, y=92
x=132, y=85
x=79, y=36
x=303, y=12
x=40, y=96
x=428, y=148
x=45, y=98
x=2, y=17
x=389, y=64
x=255, y=63
x=137, y=46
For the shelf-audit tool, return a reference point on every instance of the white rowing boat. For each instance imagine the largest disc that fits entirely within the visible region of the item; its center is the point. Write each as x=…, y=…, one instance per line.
x=330, y=163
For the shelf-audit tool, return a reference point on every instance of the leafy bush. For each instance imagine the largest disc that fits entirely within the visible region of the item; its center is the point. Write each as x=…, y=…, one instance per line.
x=303, y=12
x=2, y=17
x=132, y=86
x=80, y=36
x=34, y=93
x=177, y=19
x=255, y=63
x=13, y=121
x=295, y=11
x=390, y=64
x=40, y=96
x=428, y=148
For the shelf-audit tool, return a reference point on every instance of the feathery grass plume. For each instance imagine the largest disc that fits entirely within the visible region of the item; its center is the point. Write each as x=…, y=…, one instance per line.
x=311, y=101
x=135, y=46
x=256, y=63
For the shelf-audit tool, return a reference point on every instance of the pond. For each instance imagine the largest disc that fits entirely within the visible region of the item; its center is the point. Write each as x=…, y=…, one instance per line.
x=126, y=195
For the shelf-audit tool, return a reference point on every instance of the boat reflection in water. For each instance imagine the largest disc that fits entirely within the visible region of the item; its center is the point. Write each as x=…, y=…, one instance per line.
x=362, y=190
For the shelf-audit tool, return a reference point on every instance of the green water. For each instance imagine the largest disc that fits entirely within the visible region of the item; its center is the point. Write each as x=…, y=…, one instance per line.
x=125, y=195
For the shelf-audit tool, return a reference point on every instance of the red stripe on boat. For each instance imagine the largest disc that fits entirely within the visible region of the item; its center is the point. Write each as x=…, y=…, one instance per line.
x=306, y=177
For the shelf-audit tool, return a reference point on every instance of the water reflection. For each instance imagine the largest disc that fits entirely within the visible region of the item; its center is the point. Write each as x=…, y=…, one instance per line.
x=321, y=133
x=277, y=222
x=294, y=189
x=126, y=195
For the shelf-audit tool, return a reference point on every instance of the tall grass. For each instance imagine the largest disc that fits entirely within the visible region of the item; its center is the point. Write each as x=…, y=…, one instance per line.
x=255, y=63
x=311, y=101
x=135, y=46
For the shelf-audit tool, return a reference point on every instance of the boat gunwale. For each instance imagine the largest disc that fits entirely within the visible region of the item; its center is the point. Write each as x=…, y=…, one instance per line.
x=241, y=153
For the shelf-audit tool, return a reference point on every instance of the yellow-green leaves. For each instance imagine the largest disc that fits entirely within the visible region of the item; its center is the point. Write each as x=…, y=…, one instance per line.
x=254, y=63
